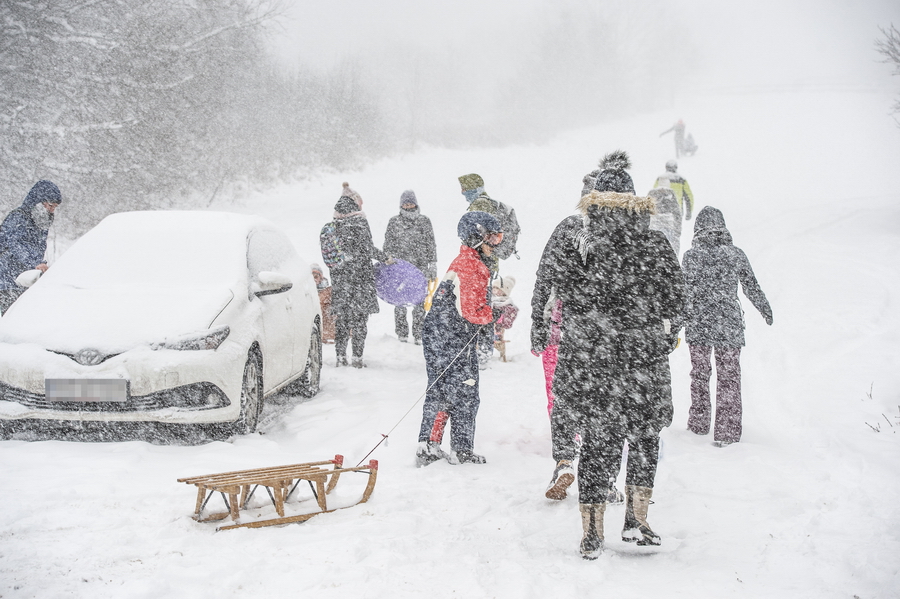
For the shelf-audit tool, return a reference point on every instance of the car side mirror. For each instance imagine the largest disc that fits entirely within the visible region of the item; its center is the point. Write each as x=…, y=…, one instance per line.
x=270, y=283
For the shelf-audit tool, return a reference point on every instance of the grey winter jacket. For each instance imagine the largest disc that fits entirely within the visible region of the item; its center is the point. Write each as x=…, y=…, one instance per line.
x=713, y=267
x=410, y=237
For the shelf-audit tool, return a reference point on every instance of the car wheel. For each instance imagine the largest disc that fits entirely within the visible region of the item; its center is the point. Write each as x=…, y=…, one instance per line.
x=251, y=394
x=308, y=384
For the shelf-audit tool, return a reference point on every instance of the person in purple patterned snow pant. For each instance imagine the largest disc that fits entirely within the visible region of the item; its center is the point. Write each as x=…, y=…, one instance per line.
x=714, y=324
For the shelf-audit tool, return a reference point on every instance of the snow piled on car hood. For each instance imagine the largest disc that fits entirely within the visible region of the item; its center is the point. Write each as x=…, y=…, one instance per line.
x=67, y=319
x=134, y=279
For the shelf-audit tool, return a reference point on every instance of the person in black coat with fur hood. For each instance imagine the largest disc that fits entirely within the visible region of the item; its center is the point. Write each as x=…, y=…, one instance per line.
x=714, y=324
x=621, y=286
x=353, y=296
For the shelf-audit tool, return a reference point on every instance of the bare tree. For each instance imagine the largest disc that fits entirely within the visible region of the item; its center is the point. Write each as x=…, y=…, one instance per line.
x=889, y=47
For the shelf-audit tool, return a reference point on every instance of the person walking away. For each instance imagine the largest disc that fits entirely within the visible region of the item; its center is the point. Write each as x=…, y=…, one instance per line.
x=678, y=128
x=353, y=296
x=23, y=239
x=501, y=290
x=667, y=218
x=460, y=310
x=410, y=236
x=679, y=185
x=547, y=314
x=714, y=324
x=323, y=286
x=621, y=287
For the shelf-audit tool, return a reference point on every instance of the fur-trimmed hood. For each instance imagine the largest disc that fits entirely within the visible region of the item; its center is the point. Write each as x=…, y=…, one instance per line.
x=616, y=200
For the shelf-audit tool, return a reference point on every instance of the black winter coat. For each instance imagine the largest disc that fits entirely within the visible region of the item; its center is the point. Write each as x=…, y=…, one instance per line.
x=713, y=267
x=410, y=237
x=353, y=282
x=618, y=281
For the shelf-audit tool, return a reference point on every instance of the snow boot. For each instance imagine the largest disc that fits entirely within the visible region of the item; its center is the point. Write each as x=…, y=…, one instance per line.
x=428, y=452
x=631, y=531
x=358, y=362
x=592, y=523
x=341, y=361
x=465, y=456
x=640, y=504
x=563, y=476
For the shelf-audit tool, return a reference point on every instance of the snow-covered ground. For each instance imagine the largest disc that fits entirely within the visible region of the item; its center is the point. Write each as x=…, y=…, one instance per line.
x=805, y=506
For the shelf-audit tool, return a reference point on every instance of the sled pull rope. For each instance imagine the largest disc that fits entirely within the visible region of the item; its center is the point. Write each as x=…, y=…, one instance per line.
x=384, y=437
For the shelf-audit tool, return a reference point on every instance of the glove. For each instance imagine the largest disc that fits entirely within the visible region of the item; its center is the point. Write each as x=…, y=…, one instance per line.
x=497, y=313
x=768, y=317
x=431, y=270
x=540, y=336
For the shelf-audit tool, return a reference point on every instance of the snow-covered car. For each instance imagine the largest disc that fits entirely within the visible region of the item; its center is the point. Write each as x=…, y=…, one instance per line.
x=186, y=319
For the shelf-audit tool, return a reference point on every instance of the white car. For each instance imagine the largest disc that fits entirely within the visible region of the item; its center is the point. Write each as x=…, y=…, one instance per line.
x=168, y=317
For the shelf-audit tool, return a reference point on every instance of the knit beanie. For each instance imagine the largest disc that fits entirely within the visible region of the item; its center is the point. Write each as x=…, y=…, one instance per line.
x=346, y=205
x=352, y=194
x=612, y=176
x=471, y=181
x=408, y=197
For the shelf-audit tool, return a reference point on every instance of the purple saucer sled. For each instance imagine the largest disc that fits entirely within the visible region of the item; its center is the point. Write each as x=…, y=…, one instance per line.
x=400, y=283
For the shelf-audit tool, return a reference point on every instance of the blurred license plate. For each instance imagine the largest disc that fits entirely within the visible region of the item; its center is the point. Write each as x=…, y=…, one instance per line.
x=86, y=389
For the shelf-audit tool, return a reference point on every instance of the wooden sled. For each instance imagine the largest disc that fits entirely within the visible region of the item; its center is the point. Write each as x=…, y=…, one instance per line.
x=280, y=482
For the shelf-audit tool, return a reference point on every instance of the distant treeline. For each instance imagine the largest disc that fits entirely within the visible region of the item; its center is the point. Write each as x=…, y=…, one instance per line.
x=165, y=103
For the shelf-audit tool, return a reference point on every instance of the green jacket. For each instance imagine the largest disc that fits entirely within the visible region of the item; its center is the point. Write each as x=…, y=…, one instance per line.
x=682, y=190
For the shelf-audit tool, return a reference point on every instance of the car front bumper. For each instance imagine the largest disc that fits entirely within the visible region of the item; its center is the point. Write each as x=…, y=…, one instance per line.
x=164, y=385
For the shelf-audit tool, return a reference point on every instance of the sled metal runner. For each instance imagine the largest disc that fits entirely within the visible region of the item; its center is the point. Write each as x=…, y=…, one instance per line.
x=236, y=489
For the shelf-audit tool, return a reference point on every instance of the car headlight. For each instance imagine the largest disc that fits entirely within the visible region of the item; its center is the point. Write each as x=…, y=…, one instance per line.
x=205, y=340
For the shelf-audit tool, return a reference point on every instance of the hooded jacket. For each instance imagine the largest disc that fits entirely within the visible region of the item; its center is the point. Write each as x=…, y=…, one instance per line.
x=713, y=267
x=22, y=242
x=410, y=237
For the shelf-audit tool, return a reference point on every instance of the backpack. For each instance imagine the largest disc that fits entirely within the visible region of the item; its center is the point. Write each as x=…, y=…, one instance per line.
x=332, y=254
x=511, y=229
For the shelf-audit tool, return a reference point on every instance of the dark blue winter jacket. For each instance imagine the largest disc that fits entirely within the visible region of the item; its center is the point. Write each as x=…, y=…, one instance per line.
x=22, y=242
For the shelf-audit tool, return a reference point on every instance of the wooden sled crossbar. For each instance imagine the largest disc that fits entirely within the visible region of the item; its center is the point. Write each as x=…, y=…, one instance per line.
x=279, y=482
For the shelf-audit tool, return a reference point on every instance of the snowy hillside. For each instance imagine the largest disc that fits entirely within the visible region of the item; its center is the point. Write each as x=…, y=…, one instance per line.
x=804, y=506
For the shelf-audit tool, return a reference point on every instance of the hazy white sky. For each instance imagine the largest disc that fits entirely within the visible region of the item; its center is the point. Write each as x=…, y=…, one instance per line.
x=721, y=43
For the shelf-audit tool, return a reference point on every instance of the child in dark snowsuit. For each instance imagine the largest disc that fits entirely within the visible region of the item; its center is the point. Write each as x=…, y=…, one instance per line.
x=460, y=308
x=714, y=323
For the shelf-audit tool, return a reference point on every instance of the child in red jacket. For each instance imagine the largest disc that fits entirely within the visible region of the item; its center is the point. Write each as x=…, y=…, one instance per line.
x=460, y=308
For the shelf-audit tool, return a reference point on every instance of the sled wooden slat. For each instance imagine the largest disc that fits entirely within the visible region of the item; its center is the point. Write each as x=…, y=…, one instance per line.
x=238, y=485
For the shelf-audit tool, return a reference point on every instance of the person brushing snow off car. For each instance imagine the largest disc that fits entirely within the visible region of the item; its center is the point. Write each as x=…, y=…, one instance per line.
x=23, y=239
x=714, y=323
x=620, y=285
x=460, y=311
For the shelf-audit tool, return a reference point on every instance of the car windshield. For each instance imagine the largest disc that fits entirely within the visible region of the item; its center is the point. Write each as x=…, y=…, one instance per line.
x=156, y=250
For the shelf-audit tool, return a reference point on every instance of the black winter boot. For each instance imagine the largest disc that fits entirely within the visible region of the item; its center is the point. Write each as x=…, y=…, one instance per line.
x=592, y=523
x=465, y=456
x=428, y=452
